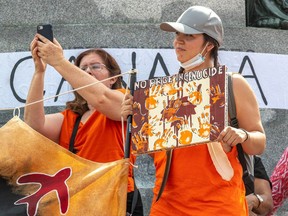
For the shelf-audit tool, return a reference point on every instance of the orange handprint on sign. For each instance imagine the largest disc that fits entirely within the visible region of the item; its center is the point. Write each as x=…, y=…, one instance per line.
x=163, y=140
x=185, y=134
x=171, y=88
x=169, y=112
x=138, y=116
x=185, y=137
x=148, y=127
x=195, y=96
x=151, y=101
x=206, y=129
x=217, y=95
x=140, y=142
x=204, y=125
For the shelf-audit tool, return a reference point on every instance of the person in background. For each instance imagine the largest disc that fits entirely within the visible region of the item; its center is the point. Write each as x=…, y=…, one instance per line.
x=99, y=134
x=279, y=179
x=194, y=187
x=260, y=202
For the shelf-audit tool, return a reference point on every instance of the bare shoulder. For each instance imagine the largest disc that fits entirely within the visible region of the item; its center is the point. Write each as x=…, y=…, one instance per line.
x=244, y=95
x=238, y=79
x=240, y=85
x=53, y=125
x=54, y=119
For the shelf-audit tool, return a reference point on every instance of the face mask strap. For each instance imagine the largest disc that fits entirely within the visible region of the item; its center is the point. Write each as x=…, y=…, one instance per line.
x=204, y=49
x=195, y=60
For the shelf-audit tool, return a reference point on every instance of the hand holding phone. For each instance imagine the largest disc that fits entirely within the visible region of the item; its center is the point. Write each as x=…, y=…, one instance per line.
x=46, y=31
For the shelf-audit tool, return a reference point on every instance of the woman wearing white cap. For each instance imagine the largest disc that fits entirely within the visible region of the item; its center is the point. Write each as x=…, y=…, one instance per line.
x=194, y=187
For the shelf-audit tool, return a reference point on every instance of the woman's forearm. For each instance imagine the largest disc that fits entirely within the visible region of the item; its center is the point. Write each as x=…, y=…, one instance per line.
x=34, y=115
x=102, y=98
x=255, y=143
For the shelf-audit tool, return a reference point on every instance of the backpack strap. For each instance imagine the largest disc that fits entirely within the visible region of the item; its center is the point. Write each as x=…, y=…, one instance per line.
x=73, y=135
x=135, y=197
x=234, y=120
x=231, y=103
x=243, y=157
x=166, y=172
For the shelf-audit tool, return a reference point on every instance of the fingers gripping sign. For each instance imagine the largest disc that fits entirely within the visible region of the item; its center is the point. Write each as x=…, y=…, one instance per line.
x=126, y=108
x=232, y=136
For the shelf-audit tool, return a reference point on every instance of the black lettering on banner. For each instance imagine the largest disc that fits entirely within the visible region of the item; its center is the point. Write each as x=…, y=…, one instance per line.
x=12, y=76
x=158, y=58
x=59, y=88
x=254, y=76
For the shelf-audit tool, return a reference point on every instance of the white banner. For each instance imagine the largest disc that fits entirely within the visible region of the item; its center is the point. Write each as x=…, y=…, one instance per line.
x=266, y=73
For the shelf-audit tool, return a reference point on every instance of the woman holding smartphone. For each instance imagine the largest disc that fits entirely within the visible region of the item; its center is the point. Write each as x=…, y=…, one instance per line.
x=99, y=134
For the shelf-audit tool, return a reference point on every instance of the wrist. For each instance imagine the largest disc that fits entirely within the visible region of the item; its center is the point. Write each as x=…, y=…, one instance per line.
x=60, y=63
x=246, y=133
x=259, y=199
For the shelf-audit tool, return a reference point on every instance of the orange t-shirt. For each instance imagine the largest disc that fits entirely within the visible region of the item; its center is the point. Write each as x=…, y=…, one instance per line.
x=194, y=187
x=99, y=139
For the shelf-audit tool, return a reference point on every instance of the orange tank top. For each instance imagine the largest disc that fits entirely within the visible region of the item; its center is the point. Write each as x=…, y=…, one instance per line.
x=99, y=139
x=194, y=187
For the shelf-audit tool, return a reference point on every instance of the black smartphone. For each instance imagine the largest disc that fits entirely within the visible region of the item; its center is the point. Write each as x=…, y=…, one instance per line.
x=46, y=31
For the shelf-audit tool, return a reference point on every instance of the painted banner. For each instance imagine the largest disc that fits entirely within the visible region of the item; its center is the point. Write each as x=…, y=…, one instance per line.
x=179, y=110
x=39, y=177
x=266, y=73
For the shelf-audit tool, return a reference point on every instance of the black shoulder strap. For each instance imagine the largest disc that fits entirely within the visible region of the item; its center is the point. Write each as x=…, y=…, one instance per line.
x=234, y=121
x=166, y=173
x=231, y=103
x=135, y=196
x=73, y=135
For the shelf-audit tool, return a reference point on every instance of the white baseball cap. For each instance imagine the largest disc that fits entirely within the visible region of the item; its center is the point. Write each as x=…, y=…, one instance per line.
x=197, y=20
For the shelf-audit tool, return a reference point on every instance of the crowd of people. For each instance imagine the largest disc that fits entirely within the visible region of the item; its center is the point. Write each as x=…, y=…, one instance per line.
x=190, y=189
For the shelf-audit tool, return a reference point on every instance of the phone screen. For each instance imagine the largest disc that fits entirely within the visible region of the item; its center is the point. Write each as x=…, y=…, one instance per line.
x=46, y=31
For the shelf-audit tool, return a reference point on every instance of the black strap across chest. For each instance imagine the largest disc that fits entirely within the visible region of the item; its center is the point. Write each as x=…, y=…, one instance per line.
x=73, y=135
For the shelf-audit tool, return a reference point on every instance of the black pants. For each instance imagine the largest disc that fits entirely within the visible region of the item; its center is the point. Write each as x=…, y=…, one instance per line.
x=138, y=211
